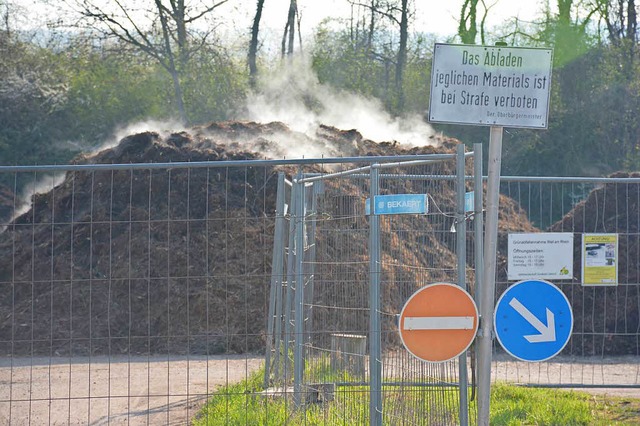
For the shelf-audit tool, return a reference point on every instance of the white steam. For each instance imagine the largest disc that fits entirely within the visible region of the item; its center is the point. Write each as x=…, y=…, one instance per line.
x=164, y=128
x=43, y=185
x=293, y=95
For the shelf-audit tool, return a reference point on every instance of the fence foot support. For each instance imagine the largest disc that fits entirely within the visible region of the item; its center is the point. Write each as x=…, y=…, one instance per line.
x=348, y=353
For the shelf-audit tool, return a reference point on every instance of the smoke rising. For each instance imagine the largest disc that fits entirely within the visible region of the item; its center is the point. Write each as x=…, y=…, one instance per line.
x=293, y=95
x=164, y=128
x=43, y=185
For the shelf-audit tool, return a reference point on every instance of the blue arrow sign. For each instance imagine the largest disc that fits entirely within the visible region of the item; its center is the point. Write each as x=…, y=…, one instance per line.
x=399, y=204
x=533, y=320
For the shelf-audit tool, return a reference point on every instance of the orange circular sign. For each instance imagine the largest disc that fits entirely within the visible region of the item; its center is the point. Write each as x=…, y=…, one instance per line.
x=438, y=322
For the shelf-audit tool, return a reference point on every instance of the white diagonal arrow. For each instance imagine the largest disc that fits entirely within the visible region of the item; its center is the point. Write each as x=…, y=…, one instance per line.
x=547, y=332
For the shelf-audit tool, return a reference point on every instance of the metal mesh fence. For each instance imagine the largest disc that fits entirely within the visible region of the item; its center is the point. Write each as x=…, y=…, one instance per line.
x=332, y=261
x=133, y=294
x=604, y=348
x=128, y=293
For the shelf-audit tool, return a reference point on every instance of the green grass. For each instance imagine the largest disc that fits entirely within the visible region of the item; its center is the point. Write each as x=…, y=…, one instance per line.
x=516, y=405
x=242, y=404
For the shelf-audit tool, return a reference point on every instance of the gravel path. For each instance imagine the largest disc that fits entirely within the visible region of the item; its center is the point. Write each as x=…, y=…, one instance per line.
x=158, y=390
x=597, y=372
x=115, y=391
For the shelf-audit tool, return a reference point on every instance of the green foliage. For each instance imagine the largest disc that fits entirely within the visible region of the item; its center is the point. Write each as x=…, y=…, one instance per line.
x=593, y=127
x=57, y=101
x=356, y=64
x=349, y=64
x=59, y=98
x=417, y=75
x=214, y=86
x=33, y=97
x=110, y=88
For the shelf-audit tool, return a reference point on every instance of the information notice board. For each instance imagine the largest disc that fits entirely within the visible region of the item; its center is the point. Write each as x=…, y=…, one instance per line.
x=543, y=255
x=490, y=85
x=599, y=259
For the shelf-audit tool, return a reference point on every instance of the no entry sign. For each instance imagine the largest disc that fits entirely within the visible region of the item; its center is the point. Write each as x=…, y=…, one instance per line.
x=438, y=322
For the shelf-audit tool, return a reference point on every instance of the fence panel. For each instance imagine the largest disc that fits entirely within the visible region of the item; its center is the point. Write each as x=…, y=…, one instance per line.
x=331, y=250
x=135, y=293
x=130, y=294
x=604, y=348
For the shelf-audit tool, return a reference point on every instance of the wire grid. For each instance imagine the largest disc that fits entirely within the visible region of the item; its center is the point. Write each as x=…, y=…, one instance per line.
x=416, y=251
x=420, y=250
x=127, y=295
x=131, y=296
x=604, y=348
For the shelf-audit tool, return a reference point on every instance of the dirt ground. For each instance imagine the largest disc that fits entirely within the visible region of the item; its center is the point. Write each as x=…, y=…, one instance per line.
x=115, y=391
x=156, y=390
x=594, y=374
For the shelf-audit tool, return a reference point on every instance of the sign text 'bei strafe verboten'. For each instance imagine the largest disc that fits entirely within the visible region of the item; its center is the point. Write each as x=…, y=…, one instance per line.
x=485, y=85
x=399, y=204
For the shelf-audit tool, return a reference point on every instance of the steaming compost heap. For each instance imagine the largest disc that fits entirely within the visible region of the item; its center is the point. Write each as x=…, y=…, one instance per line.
x=112, y=262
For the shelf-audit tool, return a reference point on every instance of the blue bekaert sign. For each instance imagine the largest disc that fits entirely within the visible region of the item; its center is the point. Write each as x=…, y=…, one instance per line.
x=533, y=320
x=399, y=204
x=469, y=201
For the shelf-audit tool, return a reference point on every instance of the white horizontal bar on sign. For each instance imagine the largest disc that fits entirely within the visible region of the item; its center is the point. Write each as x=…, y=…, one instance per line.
x=438, y=323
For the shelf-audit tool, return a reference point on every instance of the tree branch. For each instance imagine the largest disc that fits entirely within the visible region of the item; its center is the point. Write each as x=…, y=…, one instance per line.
x=204, y=12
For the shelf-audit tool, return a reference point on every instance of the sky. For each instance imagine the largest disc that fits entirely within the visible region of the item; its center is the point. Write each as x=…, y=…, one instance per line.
x=432, y=16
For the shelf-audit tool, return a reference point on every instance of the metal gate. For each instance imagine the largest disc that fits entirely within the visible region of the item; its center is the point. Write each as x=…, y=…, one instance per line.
x=341, y=275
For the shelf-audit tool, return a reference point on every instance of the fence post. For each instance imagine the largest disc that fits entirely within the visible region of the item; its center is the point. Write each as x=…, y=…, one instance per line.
x=275, y=302
x=316, y=188
x=375, y=355
x=298, y=361
x=478, y=229
x=478, y=219
x=287, y=321
x=487, y=297
x=461, y=254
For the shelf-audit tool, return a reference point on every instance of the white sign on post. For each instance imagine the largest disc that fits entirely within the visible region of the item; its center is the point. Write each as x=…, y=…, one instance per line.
x=545, y=255
x=486, y=85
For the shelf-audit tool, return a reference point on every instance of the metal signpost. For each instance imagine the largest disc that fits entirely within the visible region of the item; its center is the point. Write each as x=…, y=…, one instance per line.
x=533, y=320
x=494, y=86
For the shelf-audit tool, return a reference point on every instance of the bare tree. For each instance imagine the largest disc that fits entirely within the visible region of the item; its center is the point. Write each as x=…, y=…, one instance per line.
x=4, y=9
x=399, y=13
x=372, y=24
x=621, y=19
x=166, y=38
x=253, y=44
x=288, y=37
x=484, y=20
x=401, y=62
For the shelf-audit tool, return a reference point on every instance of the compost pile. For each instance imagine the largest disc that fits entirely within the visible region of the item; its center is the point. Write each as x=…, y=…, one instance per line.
x=174, y=261
x=609, y=316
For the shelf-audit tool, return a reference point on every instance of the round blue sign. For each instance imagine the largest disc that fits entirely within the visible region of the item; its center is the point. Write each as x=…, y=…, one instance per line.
x=533, y=320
